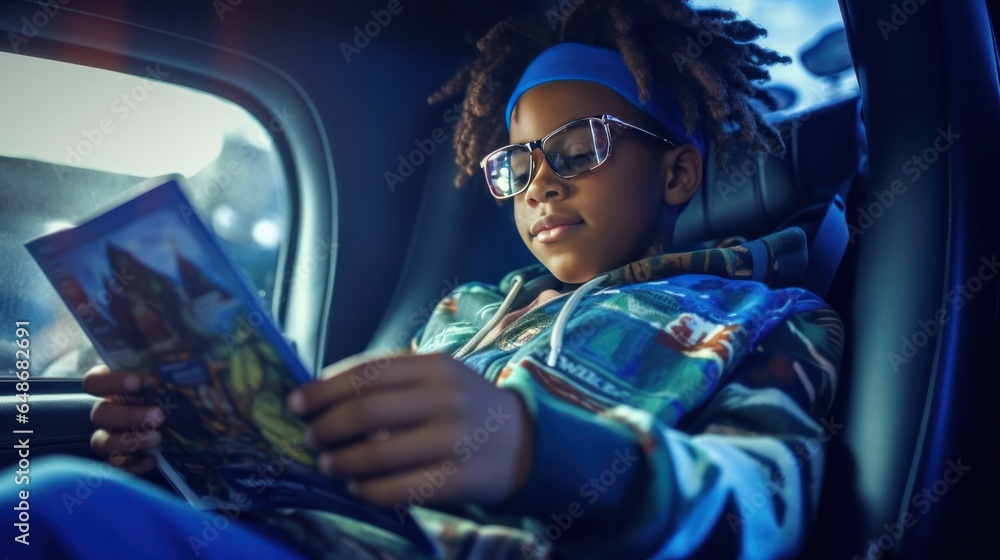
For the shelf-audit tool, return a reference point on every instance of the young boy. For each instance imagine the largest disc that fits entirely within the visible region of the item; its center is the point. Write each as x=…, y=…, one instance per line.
x=613, y=400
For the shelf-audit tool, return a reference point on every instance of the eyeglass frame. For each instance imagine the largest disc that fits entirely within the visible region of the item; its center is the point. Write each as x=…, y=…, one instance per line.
x=605, y=120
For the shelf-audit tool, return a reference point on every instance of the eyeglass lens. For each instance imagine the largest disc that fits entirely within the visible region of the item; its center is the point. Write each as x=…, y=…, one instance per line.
x=575, y=149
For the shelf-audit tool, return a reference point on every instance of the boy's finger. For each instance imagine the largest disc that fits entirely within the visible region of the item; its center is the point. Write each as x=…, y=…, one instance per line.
x=114, y=416
x=356, y=418
x=376, y=357
x=136, y=463
x=102, y=382
x=98, y=369
x=352, y=381
x=402, y=450
x=141, y=465
x=104, y=443
x=396, y=487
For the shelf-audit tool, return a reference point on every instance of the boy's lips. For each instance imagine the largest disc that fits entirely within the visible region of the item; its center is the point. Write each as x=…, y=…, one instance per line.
x=553, y=227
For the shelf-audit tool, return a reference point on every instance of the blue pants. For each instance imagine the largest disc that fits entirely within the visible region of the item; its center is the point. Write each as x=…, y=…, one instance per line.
x=86, y=509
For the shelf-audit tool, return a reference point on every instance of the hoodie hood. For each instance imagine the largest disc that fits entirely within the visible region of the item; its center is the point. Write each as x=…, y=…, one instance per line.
x=777, y=260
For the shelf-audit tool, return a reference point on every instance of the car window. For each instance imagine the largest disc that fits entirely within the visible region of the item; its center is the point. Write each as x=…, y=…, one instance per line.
x=812, y=33
x=62, y=162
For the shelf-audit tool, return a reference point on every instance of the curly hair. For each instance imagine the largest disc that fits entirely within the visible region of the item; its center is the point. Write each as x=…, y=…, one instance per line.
x=708, y=56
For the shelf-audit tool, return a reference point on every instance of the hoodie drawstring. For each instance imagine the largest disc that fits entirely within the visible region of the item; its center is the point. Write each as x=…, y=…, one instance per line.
x=559, y=329
x=501, y=311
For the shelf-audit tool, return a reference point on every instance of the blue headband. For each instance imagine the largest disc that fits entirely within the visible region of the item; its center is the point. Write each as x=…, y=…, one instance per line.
x=575, y=61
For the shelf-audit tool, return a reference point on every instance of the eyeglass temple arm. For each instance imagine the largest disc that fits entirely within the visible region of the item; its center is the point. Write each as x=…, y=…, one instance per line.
x=640, y=129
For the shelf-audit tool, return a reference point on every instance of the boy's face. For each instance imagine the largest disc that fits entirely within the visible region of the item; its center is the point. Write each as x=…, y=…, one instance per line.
x=618, y=213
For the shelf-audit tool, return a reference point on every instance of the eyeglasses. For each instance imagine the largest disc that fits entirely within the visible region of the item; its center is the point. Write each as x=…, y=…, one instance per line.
x=570, y=150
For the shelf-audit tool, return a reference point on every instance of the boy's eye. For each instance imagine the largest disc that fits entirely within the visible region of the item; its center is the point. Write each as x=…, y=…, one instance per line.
x=574, y=149
x=578, y=150
x=575, y=159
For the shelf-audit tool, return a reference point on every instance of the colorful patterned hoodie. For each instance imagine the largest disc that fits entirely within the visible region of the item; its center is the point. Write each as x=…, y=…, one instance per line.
x=679, y=405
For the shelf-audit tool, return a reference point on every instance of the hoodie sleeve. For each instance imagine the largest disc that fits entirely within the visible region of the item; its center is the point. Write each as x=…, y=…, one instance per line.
x=738, y=477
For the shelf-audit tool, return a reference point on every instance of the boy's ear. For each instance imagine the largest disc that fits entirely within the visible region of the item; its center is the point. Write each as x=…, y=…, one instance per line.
x=683, y=168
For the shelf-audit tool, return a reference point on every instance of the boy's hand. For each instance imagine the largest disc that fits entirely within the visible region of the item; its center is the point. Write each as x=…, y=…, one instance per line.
x=416, y=421
x=124, y=432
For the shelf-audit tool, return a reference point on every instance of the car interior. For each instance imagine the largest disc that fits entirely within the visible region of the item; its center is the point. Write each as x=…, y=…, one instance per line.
x=892, y=182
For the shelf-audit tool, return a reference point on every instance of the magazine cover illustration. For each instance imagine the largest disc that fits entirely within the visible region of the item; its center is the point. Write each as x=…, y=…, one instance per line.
x=155, y=293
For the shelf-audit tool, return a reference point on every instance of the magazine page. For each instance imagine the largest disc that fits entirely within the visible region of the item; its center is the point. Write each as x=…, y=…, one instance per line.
x=156, y=294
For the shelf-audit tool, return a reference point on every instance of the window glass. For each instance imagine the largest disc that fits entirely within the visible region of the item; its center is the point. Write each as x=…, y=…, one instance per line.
x=76, y=141
x=811, y=32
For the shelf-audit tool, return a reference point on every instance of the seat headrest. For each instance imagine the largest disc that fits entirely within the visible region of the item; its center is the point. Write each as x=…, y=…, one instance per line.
x=756, y=194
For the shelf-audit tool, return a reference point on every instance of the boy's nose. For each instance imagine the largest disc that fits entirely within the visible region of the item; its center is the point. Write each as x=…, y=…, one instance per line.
x=545, y=185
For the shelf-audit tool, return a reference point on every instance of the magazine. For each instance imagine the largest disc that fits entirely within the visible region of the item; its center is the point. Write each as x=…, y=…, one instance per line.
x=156, y=294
